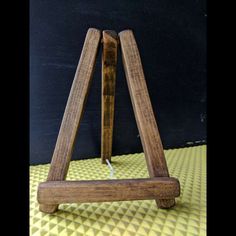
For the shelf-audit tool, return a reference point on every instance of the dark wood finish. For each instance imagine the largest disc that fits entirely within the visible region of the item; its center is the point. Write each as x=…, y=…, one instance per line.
x=143, y=111
x=160, y=186
x=73, y=112
x=109, y=61
x=57, y=192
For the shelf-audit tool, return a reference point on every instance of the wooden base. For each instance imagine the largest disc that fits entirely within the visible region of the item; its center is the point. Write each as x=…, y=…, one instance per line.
x=57, y=192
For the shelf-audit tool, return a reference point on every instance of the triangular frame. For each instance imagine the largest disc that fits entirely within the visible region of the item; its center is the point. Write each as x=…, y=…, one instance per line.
x=56, y=190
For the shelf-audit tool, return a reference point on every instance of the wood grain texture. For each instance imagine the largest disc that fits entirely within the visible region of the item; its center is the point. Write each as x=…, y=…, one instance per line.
x=143, y=111
x=109, y=61
x=160, y=186
x=57, y=192
x=73, y=111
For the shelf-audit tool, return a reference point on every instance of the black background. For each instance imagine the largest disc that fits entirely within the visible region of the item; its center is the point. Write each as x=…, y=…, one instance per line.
x=171, y=36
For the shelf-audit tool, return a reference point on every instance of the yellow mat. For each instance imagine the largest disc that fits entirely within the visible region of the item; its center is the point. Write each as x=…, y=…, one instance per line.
x=139, y=218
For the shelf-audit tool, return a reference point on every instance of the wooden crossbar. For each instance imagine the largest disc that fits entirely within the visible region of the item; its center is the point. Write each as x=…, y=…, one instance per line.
x=57, y=192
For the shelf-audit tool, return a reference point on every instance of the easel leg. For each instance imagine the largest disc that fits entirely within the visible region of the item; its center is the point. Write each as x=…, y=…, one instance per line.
x=73, y=112
x=144, y=115
x=109, y=61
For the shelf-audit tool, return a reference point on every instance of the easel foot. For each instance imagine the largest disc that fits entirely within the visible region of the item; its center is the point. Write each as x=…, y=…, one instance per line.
x=165, y=203
x=48, y=208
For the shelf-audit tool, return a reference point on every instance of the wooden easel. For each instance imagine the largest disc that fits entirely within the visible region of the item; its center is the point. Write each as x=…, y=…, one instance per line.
x=56, y=190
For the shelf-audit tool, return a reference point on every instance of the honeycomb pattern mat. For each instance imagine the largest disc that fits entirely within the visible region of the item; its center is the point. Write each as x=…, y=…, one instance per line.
x=126, y=218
